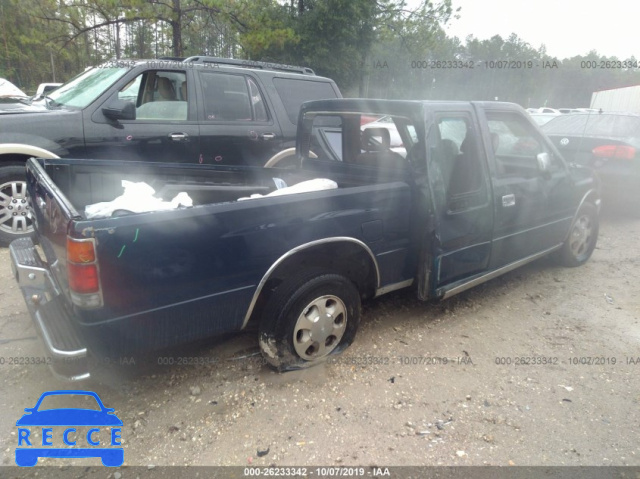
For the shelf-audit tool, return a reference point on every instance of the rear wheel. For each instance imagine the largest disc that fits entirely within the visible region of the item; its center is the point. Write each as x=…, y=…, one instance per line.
x=308, y=318
x=16, y=218
x=581, y=242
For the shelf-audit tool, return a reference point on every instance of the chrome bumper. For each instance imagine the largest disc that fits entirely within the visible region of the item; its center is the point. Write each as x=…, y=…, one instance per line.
x=48, y=312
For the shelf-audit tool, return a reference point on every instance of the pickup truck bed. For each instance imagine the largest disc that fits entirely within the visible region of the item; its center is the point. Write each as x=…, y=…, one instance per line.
x=174, y=276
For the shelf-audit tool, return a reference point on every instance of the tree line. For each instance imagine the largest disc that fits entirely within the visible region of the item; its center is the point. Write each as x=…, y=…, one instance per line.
x=371, y=48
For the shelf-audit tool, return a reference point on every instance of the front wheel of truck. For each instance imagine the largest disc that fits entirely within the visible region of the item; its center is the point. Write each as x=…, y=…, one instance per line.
x=308, y=318
x=16, y=220
x=581, y=242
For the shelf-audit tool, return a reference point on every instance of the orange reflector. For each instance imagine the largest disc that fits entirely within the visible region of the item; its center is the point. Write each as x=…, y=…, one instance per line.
x=80, y=251
x=83, y=278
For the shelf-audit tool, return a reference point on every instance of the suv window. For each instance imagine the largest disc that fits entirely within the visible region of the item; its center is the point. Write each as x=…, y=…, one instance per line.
x=259, y=108
x=229, y=97
x=294, y=93
x=158, y=95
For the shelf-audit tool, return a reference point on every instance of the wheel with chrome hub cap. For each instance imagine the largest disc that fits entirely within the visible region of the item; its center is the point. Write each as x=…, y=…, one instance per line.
x=308, y=318
x=320, y=327
x=16, y=219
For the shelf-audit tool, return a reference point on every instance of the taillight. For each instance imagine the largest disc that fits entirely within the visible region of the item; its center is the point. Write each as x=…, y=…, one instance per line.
x=83, y=278
x=82, y=272
x=80, y=251
x=621, y=152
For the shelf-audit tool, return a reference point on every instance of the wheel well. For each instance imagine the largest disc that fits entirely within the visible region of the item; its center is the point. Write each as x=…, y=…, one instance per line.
x=592, y=197
x=13, y=159
x=342, y=257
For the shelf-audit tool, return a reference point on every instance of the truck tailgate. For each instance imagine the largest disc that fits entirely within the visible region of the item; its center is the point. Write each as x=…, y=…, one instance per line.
x=42, y=279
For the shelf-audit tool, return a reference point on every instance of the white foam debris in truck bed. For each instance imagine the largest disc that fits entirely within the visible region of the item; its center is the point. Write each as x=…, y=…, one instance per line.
x=137, y=198
x=317, y=184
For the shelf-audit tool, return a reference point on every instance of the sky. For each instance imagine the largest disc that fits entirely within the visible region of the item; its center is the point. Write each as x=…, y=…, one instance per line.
x=566, y=27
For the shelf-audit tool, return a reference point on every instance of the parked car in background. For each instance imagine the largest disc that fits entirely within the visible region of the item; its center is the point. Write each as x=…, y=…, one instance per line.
x=385, y=123
x=202, y=110
x=46, y=88
x=543, y=109
x=607, y=142
x=542, y=118
x=9, y=89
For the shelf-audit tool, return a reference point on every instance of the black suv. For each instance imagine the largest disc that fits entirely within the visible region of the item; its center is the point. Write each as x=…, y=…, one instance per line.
x=201, y=110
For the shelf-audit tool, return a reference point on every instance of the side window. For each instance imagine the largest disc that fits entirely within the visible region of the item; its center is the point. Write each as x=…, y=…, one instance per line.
x=515, y=144
x=158, y=95
x=356, y=139
x=230, y=97
x=131, y=90
x=326, y=137
x=457, y=172
x=382, y=144
x=257, y=102
x=294, y=92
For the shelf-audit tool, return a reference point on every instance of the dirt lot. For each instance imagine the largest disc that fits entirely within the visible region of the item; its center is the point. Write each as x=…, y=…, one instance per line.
x=390, y=399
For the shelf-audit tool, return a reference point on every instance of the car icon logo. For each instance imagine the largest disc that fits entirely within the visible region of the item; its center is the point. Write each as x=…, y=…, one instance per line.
x=47, y=419
x=564, y=141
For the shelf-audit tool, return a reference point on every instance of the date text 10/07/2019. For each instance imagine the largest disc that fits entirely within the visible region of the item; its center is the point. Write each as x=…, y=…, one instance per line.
x=476, y=64
x=572, y=361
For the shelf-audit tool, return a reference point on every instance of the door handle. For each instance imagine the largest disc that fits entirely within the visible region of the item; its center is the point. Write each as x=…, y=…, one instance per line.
x=178, y=136
x=268, y=136
x=509, y=200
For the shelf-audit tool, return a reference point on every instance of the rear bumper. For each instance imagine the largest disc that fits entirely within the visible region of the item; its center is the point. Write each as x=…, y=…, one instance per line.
x=49, y=313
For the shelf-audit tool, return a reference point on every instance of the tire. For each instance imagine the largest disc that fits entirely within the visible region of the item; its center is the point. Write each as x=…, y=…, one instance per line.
x=286, y=331
x=286, y=157
x=16, y=220
x=583, y=235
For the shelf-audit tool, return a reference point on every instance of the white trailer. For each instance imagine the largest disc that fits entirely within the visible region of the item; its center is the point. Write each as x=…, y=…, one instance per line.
x=617, y=99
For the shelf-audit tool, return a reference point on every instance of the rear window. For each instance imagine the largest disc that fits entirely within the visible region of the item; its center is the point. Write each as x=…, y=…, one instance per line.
x=613, y=126
x=294, y=92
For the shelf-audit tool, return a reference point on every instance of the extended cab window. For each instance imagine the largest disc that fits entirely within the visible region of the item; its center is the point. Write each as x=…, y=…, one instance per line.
x=456, y=170
x=515, y=144
x=158, y=95
x=230, y=97
x=377, y=141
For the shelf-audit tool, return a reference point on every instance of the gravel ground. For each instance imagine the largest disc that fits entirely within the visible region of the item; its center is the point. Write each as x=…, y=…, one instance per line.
x=390, y=399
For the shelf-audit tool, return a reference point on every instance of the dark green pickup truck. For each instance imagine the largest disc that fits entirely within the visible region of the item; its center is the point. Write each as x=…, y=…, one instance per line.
x=440, y=196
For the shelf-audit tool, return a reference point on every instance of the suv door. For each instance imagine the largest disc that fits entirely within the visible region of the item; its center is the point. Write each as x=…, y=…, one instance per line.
x=459, y=181
x=165, y=128
x=533, y=208
x=237, y=126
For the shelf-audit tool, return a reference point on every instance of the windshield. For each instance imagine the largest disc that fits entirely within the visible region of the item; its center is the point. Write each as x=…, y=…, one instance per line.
x=86, y=87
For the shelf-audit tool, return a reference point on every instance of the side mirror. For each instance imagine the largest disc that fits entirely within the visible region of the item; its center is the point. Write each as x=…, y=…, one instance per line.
x=120, y=110
x=544, y=162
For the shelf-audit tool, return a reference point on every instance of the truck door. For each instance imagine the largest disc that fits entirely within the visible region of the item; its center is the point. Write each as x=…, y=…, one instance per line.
x=533, y=208
x=459, y=181
x=165, y=128
x=237, y=127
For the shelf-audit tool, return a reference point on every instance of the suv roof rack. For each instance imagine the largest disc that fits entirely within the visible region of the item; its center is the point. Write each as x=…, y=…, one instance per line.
x=251, y=64
x=176, y=59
